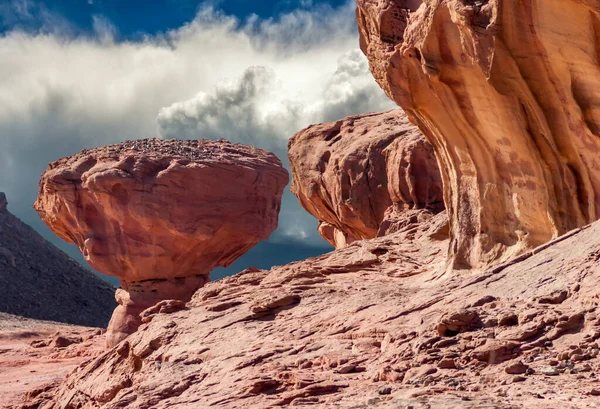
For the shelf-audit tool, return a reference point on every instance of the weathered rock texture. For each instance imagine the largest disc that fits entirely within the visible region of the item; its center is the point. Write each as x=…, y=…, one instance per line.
x=367, y=326
x=161, y=214
x=35, y=353
x=359, y=173
x=506, y=91
x=37, y=280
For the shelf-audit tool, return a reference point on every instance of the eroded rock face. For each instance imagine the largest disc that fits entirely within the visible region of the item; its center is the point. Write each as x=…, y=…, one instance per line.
x=162, y=210
x=505, y=91
x=336, y=330
x=350, y=173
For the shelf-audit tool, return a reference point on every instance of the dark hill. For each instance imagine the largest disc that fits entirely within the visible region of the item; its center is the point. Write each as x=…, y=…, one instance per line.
x=37, y=280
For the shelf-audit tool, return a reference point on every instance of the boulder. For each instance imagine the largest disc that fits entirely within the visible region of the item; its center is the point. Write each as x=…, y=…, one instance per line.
x=350, y=173
x=161, y=214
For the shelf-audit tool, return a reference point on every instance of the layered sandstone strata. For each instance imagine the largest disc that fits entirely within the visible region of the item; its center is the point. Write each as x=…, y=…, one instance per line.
x=505, y=91
x=161, y=214
x=357, y=174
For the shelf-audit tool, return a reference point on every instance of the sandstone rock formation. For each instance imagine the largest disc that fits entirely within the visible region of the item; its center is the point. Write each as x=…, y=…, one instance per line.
x=40, y=281
x=506, y=91
x=358, y=173
x=161, y=214
x=366, y=326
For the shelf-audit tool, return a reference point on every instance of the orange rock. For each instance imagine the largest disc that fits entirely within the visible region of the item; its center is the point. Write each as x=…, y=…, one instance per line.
x=505, y=92
x=161, y=214
x=349, y=174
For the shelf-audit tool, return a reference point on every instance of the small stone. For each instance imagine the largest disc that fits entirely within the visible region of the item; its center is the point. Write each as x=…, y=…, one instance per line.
x=550, y=371
x=484, y=300
x=577, y=351
x=457, y=322
x=447, y=363
x=595, y=392
x=518, y=378
x=516, y=368
x=385, y=390
x=419, y=372
x=563, y=356
x=556, y=297
x=63, y=342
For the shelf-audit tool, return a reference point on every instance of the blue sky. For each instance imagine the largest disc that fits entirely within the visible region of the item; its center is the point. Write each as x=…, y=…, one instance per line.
x=76, y=75
x=137, y=18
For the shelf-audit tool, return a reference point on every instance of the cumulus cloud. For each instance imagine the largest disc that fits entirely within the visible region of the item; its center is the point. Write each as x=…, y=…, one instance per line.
x=264, y=109
x=254, y=81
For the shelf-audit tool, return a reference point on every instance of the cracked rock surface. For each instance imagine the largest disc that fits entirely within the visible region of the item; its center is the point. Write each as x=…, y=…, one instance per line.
x=374, y=324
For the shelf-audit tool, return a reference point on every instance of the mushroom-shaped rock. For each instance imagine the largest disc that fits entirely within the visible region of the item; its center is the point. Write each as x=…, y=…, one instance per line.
x=161, y=214
x=506, y=91
x=352, y=173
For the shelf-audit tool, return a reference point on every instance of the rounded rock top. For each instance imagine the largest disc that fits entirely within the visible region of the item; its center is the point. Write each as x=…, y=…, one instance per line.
x=193, y=150
x=163, y=208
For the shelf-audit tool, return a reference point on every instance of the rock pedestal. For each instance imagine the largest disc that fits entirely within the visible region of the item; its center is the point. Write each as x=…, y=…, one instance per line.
x=135, y=297
x=165, y=210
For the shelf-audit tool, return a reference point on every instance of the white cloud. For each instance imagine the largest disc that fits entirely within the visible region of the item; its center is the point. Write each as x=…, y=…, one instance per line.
x=256, y=82
x=105, y=31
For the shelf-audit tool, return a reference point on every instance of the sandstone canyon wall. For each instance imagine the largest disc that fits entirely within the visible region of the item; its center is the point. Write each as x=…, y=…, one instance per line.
x=506, y=91
x=356, y=174
x=161, y=214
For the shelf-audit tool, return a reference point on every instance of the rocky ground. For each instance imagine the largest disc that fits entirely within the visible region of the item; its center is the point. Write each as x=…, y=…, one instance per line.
x=37, y=353
x=379, y=323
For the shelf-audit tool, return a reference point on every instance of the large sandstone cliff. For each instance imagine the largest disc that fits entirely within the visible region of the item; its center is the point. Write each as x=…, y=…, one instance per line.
x=506, y=91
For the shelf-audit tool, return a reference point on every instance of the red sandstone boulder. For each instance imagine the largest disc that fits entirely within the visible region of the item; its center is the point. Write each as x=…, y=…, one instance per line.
x=357, y=172
x=161, y=214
